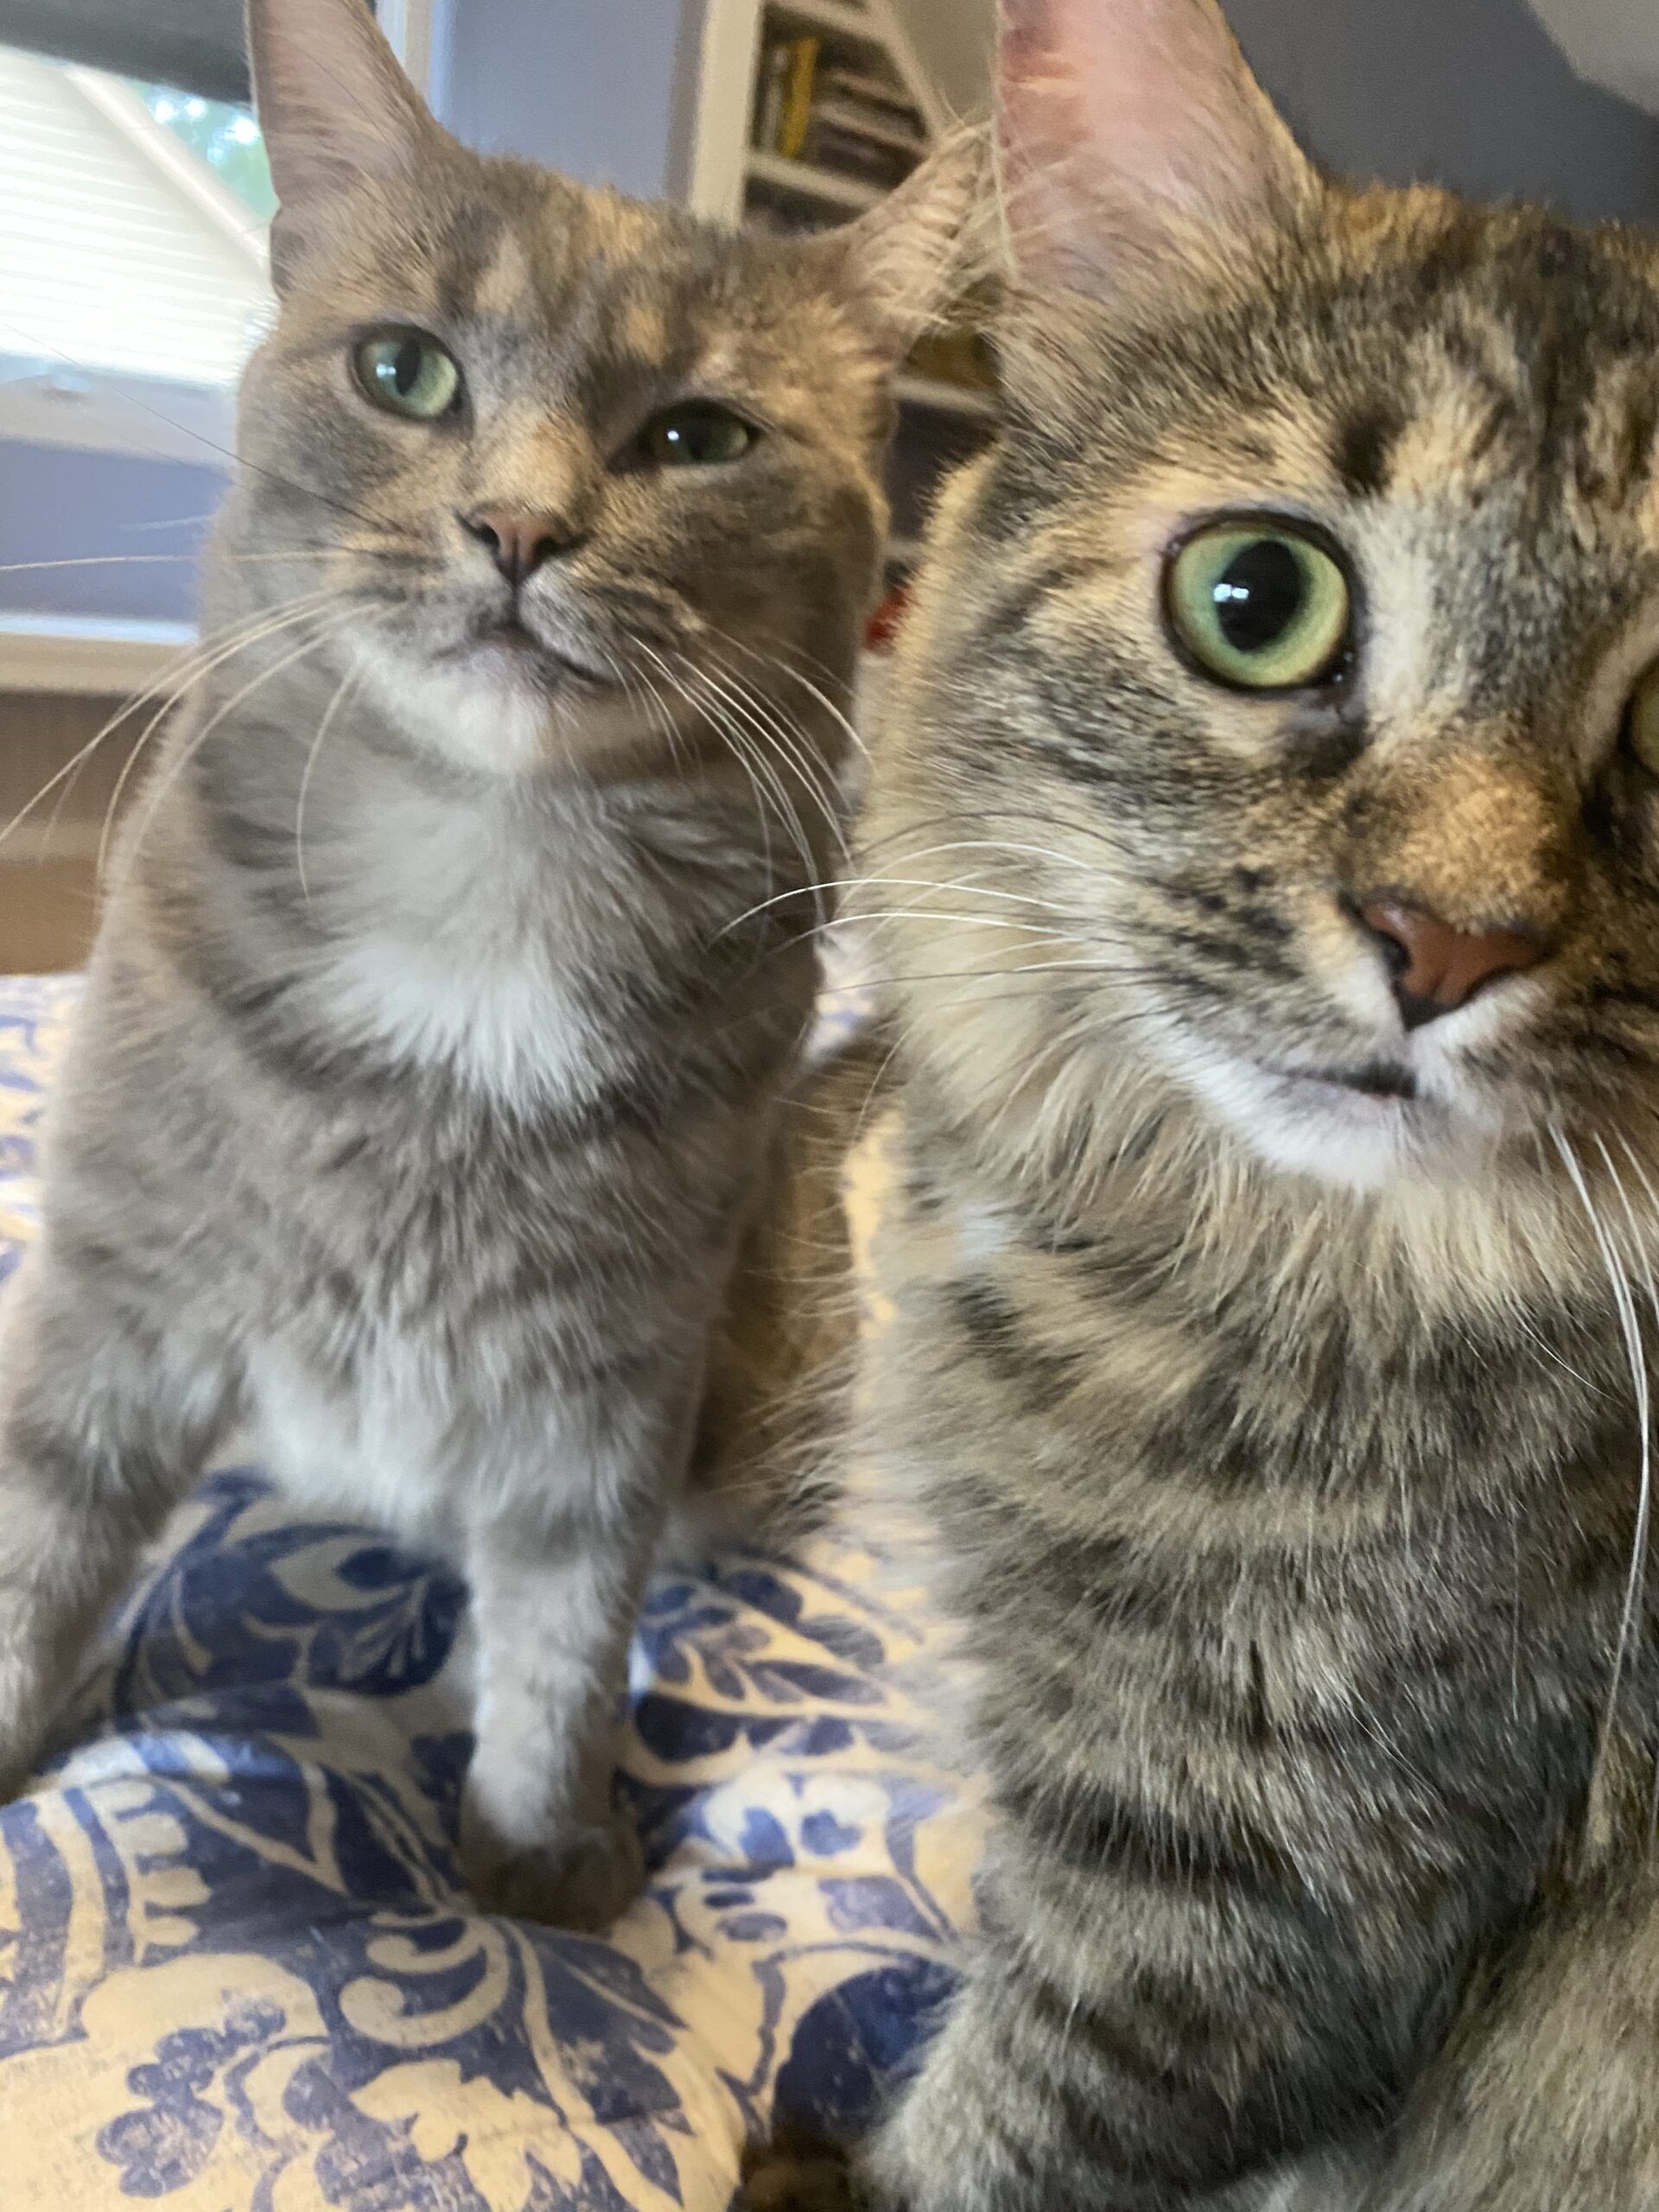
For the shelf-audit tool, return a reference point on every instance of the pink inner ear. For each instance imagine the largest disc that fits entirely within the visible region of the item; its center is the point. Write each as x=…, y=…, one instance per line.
x=332, y=101
x=1123, y=119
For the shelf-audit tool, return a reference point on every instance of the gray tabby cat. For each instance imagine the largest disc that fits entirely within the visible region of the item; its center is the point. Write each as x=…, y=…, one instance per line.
x=1264, y=848
x=434, y=1027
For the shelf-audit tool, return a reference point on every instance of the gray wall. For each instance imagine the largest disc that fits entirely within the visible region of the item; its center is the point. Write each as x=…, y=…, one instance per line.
x=588, y=86
x=100, y=510
x=1472, y=93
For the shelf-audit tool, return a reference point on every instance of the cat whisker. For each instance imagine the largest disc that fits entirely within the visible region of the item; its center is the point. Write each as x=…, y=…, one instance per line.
x=71, y=768
x=968, y=886
x=656, y=706
x=1090, y=832
x=311, y=759
x=773, y=662
x=998, y=845
x=796, y=743
x=733, y=701
x=203, y=664
x=764, y=776
x=740, y=752
x=324, y=630
x=1039, y=930
x=1630, y=1327
x=192, y=559
x=1640, y=1245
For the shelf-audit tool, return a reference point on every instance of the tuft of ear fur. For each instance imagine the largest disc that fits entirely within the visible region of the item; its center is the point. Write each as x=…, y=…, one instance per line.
x=905, y=263
x=334, y=106
x=1129, y=129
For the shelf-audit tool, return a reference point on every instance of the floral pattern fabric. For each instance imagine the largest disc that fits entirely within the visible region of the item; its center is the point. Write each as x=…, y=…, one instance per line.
x=237, y=1973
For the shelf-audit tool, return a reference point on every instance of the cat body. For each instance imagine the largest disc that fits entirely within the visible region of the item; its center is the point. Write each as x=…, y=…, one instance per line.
x=462, y=940
x=1263, y=854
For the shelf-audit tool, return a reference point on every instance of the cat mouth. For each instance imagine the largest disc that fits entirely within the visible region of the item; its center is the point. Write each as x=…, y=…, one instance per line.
x=1375, y=1080
x=507, y=635
x=1380, y=1082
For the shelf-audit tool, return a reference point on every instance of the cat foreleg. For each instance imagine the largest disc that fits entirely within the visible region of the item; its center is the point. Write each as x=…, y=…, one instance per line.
x=556, y=1587
x=105, y=1422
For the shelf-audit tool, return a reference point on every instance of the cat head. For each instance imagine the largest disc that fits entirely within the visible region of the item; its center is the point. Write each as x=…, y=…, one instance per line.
x=568, y=473
x=1277, y=732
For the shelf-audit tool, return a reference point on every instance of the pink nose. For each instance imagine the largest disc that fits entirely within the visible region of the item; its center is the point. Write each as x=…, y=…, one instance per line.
x=1433, y=967
x=519, y=543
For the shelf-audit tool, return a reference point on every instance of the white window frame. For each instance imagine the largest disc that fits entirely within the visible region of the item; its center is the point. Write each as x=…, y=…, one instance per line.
x=419, y=32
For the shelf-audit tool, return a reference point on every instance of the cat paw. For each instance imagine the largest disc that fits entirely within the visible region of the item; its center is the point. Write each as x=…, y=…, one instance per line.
x=585, y=1881
x=796, y=2173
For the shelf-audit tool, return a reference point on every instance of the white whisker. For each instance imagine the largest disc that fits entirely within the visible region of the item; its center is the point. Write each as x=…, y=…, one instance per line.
x=311, y=759
x=1630, y=1328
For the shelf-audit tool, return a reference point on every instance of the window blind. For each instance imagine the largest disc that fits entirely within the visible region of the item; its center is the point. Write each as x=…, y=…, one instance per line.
x=114, y=257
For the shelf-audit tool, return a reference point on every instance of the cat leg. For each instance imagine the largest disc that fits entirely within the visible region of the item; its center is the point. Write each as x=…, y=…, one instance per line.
x=556, y=1591
x=1021, y=2104
x=1543, y=2098
x=981, y=2129
x=102, y=1430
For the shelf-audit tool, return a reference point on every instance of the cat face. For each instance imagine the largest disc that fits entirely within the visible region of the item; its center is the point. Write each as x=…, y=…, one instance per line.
x=1287, y=692
x=576, y=474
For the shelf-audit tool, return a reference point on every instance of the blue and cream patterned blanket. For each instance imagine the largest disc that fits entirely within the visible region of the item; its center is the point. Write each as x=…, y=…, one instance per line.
x=237, y=1973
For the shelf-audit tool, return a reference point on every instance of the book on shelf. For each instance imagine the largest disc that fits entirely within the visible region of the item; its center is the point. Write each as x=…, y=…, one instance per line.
x=771, y=93
x=782, y=108
x=892, y=131
x=827, y=146
x=809, y=109
x=874, y=94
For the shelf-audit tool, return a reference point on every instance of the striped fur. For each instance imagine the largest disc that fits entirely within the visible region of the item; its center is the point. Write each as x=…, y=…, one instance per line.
x=1281, y=1451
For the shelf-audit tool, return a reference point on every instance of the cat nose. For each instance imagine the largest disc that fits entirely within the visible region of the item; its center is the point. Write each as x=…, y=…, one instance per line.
x=520, y=544
x=1433, y=968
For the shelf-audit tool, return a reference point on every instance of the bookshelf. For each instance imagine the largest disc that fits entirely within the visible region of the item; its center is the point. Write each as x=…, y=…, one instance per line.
x=806, y=112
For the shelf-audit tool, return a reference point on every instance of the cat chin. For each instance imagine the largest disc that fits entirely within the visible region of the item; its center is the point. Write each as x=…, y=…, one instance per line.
x=490, y=714
x=1352, y=1139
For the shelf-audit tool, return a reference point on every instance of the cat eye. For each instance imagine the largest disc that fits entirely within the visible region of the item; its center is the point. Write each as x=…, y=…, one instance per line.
x=1642, y=724
x=407, y=372
x=696, y=436
x=1260, y=606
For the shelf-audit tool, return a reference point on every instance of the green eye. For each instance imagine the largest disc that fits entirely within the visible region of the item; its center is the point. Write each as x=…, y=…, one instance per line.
x=1644, y=721
x=1263, y=608
x=697, y=435
x=406, y=373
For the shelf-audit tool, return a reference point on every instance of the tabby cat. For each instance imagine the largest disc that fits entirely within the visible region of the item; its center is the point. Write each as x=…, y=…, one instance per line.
x=464, y=936
x=1264, y=852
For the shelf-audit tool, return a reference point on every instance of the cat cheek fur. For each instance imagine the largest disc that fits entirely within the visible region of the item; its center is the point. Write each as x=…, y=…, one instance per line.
x=434, y=1032
x=1295, y=1538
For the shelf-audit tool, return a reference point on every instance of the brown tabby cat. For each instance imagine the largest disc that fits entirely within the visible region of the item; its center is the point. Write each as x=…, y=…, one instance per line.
x=465, y=936
x=1265, y=851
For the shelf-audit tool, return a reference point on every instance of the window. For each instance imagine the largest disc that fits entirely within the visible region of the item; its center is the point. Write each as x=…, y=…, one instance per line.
x=133, y=282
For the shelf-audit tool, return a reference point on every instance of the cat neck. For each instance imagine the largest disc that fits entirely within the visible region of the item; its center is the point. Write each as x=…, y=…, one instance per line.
x=1135, y=1170
x=507, y=928
x=350, y=823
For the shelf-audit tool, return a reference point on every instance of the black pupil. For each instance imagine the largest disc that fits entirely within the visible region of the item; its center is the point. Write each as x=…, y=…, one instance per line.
x=1259, y=596
x=691, y=435
x=406, y=364
x=699, y=435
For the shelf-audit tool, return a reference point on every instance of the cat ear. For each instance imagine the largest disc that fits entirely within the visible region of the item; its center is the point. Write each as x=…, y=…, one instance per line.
x=1129, y=127
x=906, y=261
x=334, y=105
